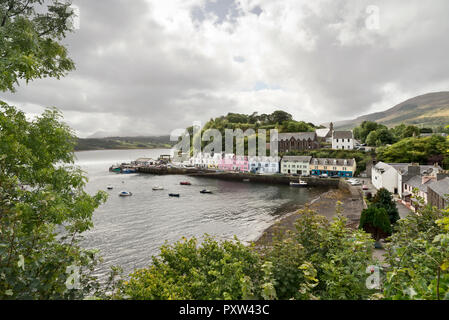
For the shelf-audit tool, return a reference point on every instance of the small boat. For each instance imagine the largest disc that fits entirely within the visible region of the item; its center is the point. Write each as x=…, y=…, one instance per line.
x=129, y=170
x=174, y=195
x=157, y=188
x=185, y=183
x=206, y=191
x=125, y=194
x=246, y=180
x=110, y=187
x=300, y=183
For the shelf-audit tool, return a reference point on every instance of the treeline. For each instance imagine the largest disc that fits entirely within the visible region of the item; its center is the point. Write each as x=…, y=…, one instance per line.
x=123, y=143
x=403, y=143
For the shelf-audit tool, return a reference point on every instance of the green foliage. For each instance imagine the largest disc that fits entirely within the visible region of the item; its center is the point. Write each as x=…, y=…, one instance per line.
x=418, y=257
x=209, y=271
x=415, y=150
x=384, y=200
x=43, y=209
x=375, y=221
x=321, y=260
x=29, y=46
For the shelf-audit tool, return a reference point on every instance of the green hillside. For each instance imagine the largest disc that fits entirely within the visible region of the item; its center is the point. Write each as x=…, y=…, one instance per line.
x=124, y=143
x=430, y=110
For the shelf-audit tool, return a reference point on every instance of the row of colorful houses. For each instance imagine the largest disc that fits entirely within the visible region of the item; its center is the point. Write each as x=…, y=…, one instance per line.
x=297, y=165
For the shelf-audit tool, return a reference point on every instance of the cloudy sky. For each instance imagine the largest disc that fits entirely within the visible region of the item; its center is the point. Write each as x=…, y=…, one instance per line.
x=146, y=67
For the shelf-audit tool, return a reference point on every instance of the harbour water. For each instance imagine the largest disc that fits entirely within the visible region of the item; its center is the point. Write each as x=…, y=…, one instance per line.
x=129, y=231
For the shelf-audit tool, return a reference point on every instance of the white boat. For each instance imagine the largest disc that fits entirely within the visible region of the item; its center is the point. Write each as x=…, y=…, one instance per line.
x=125, y=194
x=300, y=183
x=157, y=188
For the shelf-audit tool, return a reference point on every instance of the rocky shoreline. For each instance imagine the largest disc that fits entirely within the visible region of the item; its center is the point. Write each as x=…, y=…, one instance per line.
x=325, y=204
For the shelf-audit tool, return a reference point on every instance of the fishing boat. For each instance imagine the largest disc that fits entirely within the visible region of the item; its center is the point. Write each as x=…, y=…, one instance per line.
x=115, y=169
x=300, y=183
x=206, y=191
x=174, y=195
x=129, y=170
x=185, y=183
x=125, y=194
x=157, y=188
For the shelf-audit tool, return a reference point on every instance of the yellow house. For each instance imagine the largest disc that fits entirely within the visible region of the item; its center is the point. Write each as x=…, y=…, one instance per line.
x=333, y=167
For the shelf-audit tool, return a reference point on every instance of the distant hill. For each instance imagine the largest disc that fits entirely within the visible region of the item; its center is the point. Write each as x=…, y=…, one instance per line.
x=429, y=110
x=124, y=143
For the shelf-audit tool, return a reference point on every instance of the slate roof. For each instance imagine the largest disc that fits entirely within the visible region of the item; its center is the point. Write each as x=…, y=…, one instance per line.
x=297, y=135
x=441, y=187
x=297, y=158
x=343, y=135
x=416, y=182
x=331, y=162
x=402, y=168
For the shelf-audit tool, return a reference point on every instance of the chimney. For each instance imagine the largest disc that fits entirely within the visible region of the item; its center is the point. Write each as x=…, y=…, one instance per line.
x=414, y=170
x=426, y=179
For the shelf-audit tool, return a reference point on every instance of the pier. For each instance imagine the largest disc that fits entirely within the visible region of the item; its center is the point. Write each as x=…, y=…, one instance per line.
x=253, y=178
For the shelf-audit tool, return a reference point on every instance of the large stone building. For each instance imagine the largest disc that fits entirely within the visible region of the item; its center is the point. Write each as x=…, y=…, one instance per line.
x=438, y=193
x=298, y=141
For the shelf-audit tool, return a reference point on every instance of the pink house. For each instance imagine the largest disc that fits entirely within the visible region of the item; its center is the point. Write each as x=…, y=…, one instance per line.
x=230, y=162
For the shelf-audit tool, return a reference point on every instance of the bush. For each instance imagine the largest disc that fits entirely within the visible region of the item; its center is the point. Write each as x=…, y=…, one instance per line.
x=209, y=271
x=376, y=222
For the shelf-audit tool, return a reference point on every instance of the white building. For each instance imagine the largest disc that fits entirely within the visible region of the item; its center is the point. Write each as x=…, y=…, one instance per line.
x=296, y=165
x=343, y=140
x=264, y=165
x=394, y=176
x=205, y=160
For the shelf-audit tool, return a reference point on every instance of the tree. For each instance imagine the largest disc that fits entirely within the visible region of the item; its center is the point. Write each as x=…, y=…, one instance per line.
x=376, y=222
x=416, y=150
x=188, y=270
x=384, y=200
x=410, y=131
x=280, y=116
x=43, y=209
x=29, y=46
x=418, y=257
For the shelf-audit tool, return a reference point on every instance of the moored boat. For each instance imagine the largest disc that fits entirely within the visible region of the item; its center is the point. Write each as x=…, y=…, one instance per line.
x=157, y=188
x=110, y=187
x=300, y=183
x=177, y=195
x=206, y=191
x=125, y=194
x=185, y=183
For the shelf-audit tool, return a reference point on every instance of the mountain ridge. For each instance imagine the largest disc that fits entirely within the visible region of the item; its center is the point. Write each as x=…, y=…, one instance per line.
x=427, y=110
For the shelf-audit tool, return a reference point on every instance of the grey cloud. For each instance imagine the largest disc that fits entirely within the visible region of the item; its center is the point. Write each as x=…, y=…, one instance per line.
x=134, y=77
